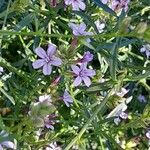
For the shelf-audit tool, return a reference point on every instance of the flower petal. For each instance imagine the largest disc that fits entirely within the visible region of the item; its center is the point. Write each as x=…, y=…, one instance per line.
x=38, y=63
x=82, y=27
x=90, y=72
x=81, y=5
x=51, y=50
x=56, y=61
x=47, y=69
x=40, y=52
x=87, y=81
x=75, y=69
x=1, y=69
x=66, y=103
x=77, y=81
x=8, y=144
x=83, y=66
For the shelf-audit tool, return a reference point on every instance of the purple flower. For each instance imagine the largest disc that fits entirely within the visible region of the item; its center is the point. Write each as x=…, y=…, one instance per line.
x=82, y=74
x=104, y=1
x=146, y=49
x=142, y=99
x=53, y=146
x=49, y=121
x=47, y=59
x=148, y=134
x=122, y=92
x=67, y=98
x=80, y=30
x=1, y=70
x=119, y=5
x=6, y=144
x=123, y=115
x=87, y=57
x=120, y=115
x=76, y=4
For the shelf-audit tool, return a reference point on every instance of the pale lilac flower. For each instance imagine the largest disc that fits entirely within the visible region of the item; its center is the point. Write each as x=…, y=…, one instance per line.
x=148, y=134
x=100, y=26
x=53, y=146
x=49, y=121
x=45, y=99
x=142, y=98
x=123, y=115
x=67, y=98
x=82, y=74
x=119, y=5
x=79, y=29
x=87, y=57
x=120, y=115
x=122, y=92
x=104, y=1
x=47, y=59
x=1, y=70
x=146, y=49
x=6, y=144
x=76, y=4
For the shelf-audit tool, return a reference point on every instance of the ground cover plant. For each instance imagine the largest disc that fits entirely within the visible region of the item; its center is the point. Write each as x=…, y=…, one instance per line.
x=74, y=74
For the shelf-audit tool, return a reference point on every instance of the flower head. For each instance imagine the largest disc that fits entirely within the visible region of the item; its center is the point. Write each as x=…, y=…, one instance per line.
x=47, y=59
x=123, y=115
x=122, y=92
x=49, y=121
x=82, y=74
x=119, y=5
x=80, y=30
x=146, y=49
x=148, y=134
x=104, y=1
x=142, y=98
x=6, y=144
x=76, y=4
x=45, y=99
x=87, y=57
x=53, y=146
x=67, y=98
x=120, y=115
x=1, y=70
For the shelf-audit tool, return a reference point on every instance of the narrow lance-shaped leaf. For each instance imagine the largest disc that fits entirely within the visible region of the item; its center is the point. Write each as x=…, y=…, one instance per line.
x=105, y=7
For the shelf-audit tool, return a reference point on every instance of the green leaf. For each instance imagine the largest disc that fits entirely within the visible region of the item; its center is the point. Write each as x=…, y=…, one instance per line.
x=24, y=22
x=105, y=7
x=114, y=60
x=8, y=96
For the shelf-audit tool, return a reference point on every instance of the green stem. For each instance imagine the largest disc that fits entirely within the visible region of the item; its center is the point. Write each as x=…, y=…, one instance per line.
x=4, y=23
x=109, y=35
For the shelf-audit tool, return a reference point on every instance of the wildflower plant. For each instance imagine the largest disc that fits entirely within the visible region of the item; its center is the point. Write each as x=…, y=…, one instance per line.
x=74, y=74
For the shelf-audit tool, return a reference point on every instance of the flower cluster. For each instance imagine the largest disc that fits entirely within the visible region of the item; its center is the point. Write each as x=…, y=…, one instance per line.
x=80, y=72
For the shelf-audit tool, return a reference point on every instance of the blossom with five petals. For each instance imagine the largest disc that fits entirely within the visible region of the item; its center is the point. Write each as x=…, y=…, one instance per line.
x=47, y=59
x=82, y=74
